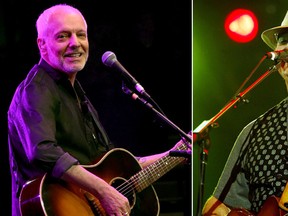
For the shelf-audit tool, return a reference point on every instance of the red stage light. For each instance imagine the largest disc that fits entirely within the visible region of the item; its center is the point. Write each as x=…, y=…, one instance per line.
x=241, y=25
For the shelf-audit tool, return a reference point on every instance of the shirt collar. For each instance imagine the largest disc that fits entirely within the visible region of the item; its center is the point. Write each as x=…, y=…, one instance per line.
x=55, y=74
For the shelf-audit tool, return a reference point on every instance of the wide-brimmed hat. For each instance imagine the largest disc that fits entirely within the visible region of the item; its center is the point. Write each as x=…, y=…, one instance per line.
x=269, y=36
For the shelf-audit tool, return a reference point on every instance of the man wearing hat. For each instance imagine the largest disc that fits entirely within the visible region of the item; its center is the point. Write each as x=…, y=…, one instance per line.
x=254, y=178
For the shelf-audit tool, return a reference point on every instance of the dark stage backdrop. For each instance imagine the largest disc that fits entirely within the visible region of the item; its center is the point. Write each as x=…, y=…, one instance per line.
x=152, y=41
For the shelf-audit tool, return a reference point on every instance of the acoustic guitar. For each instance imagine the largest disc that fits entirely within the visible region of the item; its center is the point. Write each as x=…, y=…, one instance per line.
x=119, y=168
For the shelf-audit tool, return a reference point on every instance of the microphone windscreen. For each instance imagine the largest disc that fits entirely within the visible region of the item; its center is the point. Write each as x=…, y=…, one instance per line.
x=108, y=58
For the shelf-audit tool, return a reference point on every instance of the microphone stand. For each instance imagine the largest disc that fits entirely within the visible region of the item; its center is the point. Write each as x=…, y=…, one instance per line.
x=134, y=96
x=201, y=133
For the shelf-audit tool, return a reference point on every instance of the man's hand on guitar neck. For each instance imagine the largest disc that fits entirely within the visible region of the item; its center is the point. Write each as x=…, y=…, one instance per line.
x=147, y=160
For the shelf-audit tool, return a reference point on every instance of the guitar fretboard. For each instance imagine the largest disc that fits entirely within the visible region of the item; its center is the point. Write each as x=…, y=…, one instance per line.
x=152, y=173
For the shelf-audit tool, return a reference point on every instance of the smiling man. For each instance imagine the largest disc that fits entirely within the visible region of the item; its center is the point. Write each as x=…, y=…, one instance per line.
x=53, y=128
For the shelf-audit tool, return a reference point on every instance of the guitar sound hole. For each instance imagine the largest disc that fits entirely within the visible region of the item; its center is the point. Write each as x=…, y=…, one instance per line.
x=124, y=187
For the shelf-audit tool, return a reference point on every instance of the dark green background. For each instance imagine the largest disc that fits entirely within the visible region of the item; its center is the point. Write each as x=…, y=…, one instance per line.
x=220, y=66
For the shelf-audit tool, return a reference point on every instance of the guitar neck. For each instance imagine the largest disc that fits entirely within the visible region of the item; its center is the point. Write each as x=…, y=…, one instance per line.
x=153, y=172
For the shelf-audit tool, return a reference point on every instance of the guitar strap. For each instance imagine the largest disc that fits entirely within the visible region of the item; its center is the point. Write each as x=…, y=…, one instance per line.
x=236, y=169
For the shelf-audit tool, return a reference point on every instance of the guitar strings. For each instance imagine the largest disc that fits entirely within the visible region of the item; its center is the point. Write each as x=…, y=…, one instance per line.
x=142, y=183
x=127, y=188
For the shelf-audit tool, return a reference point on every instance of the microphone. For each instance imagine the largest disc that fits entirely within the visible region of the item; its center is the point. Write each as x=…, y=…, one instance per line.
x=278, y=55
x=109, y=59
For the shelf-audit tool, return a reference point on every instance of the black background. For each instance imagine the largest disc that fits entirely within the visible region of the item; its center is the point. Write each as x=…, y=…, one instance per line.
x=152, y=41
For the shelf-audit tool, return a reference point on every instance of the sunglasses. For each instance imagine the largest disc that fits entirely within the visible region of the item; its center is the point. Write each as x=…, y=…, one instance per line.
x=282, y=38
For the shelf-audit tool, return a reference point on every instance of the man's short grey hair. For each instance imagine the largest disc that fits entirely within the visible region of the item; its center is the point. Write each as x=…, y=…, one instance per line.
x=43, y=19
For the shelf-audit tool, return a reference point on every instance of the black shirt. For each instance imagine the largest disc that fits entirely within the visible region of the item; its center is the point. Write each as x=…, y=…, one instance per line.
x=51, y=126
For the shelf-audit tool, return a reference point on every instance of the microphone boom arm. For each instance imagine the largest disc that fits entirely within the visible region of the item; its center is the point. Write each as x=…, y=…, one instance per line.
x=134, y=96
x=201, y=131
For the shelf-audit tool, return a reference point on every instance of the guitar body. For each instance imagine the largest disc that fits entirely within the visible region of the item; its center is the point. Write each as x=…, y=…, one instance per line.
x=44, y=196
x=269, y=208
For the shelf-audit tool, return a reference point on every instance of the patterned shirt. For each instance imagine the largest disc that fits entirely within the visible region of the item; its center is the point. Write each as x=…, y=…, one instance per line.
x=257, y=167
